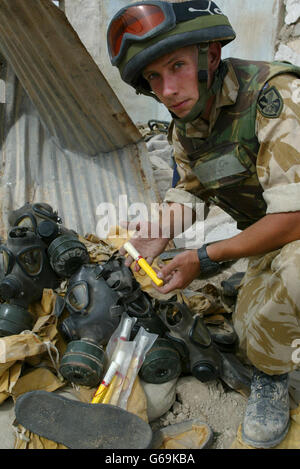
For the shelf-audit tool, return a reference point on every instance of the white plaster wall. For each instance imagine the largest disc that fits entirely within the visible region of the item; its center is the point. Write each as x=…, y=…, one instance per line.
x=255, y=22
x=256, y=25
x=289, y=36
x=292, y=11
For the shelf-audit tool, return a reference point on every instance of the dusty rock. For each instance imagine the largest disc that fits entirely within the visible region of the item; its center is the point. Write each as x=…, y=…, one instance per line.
x=285, y=53
x=296, y=30
x=222, y=409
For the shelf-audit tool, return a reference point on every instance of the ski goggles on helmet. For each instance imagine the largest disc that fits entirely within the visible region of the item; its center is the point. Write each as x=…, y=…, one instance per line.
x=145, y=20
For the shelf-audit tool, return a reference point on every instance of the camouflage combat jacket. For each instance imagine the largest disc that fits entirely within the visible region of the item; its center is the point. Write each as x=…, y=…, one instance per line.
x=225, y=161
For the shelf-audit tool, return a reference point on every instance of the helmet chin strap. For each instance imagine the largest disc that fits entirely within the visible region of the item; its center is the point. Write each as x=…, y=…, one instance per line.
x=205, y=94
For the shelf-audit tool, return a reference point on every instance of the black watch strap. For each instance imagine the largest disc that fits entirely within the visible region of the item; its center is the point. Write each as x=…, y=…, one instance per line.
x=207, y=266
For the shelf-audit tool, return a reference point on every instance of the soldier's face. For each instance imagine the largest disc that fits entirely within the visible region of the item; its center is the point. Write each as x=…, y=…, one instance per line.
x=174, y=79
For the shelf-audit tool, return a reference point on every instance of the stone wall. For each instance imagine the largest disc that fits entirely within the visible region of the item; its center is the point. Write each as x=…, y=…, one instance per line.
x=288, y=41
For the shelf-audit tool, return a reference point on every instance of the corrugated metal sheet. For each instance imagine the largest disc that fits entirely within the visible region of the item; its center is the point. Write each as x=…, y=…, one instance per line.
x=65, y=138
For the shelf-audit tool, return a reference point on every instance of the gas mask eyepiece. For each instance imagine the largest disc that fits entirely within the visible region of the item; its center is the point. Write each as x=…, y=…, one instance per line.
x=32, y=216
x=26, y=272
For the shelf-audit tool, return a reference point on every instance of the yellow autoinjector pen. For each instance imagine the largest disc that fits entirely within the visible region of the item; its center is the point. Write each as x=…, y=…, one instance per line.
x=103, y=388
x=143, y=264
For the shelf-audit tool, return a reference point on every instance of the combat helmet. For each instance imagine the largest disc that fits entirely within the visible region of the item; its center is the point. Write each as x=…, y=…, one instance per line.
x=144, y=31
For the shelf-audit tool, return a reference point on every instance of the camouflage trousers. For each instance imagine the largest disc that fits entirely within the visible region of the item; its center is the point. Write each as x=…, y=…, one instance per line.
x=267, y=315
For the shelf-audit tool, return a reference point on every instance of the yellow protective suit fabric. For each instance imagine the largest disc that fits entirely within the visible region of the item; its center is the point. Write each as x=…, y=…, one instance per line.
x=194, y=438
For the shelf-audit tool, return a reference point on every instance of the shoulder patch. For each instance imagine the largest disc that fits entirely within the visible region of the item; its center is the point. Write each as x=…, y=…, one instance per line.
x=270, y=103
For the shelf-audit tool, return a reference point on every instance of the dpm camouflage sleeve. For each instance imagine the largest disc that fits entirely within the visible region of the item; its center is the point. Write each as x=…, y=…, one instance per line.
x=278, y=131
x=186, y=189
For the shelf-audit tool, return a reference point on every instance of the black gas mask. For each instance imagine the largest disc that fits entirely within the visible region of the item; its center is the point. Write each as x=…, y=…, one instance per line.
x=193, y=347
x=96, y=297
x=94, y=315
x=190, y=335
x=26, y=272
x=66, y=253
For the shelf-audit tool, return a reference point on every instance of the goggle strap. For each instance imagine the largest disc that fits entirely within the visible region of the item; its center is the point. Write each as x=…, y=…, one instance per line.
x=202, y=75
x=186, y=11
x=203, y=63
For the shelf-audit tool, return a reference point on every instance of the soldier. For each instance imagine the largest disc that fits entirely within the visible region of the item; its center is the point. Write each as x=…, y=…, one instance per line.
x=235, y=132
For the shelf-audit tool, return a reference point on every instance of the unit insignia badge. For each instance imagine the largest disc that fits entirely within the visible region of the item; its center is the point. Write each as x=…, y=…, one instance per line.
x=270, y=103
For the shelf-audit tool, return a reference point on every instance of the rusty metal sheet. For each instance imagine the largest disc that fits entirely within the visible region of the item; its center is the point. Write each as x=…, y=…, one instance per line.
x=64, y=83
x=65, y=138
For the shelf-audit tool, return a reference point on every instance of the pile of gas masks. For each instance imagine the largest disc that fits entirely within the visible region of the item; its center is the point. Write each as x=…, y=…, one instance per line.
x=192, y=347
x=38, y=253
x=96, y=298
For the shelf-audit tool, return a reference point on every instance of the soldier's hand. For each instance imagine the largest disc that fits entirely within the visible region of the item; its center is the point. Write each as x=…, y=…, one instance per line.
x=147, y=241
x=180, y=272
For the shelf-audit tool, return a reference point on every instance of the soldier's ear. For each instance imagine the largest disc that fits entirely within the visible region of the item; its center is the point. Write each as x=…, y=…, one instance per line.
x=214, y=55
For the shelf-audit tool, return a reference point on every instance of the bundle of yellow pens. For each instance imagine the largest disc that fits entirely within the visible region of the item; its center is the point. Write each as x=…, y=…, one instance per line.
x=106, y=382
x=106, y=388
x=126, y=358
x=111, y=387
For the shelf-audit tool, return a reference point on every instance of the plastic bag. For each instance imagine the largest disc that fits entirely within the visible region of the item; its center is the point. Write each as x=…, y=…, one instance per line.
x=144, y=341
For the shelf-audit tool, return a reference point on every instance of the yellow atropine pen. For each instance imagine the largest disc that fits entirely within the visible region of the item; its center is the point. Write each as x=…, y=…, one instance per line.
x=109, y=380
x=102, y=389
x=107, y=397
x=143, y=264
x=105, y=390
x=112, y=395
